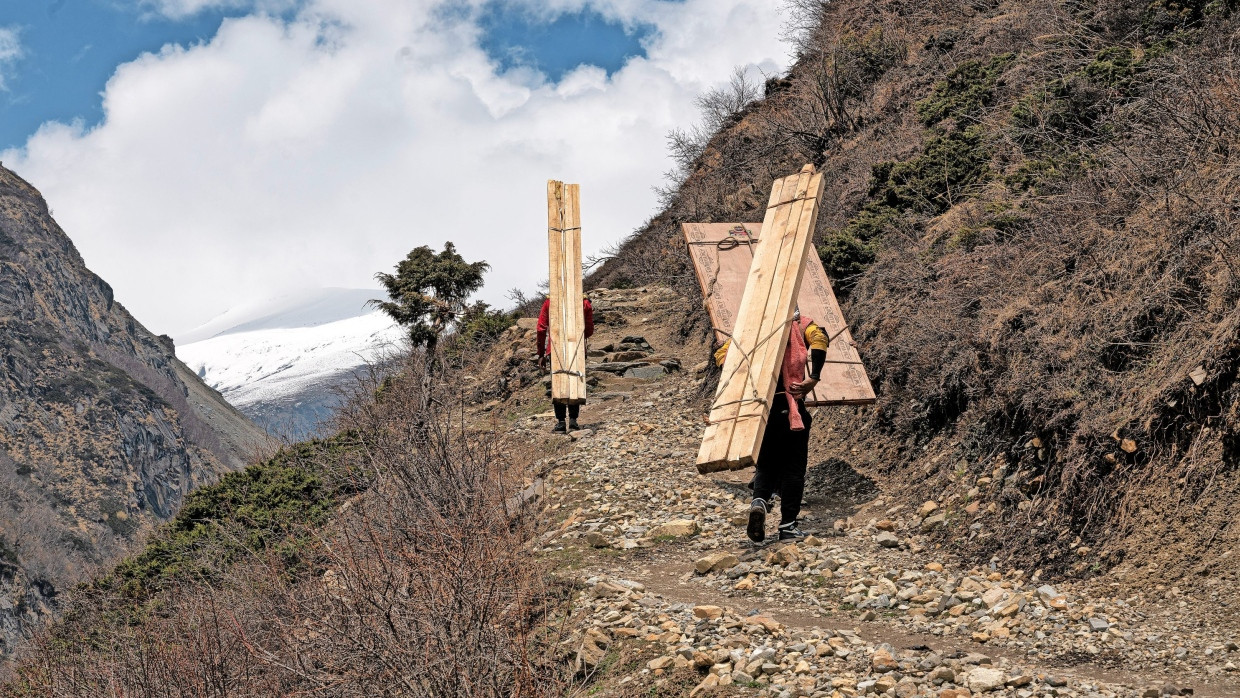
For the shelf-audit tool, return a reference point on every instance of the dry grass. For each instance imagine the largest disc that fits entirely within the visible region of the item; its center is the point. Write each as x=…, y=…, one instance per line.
x=1036, y=323
x=419, y=585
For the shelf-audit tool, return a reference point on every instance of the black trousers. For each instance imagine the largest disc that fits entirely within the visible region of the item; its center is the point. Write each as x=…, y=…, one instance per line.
x=782, y=461
x=561, y=408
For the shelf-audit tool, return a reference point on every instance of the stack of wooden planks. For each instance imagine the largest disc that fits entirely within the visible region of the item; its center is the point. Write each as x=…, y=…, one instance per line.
x=722, y=255
x=567, y=319
x=750, y=372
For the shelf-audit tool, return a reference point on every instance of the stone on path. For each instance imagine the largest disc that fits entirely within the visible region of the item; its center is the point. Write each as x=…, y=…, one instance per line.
x=984, y=680
x=715, y=562
x=887, y=540
x=646, y=372
x=882, y=661
x=933, y=522
x=707, y=612
x=676, y=529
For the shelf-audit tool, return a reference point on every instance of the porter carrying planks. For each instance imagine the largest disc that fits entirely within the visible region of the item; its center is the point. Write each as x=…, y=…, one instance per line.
x=567, y=323
x=750, y=371
x=722, y=254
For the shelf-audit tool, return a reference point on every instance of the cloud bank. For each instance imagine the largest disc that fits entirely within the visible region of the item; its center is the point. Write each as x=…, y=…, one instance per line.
x=318, y=146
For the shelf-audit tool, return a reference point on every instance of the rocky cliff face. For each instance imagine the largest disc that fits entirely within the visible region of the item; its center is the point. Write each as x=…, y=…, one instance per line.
x=102, y=430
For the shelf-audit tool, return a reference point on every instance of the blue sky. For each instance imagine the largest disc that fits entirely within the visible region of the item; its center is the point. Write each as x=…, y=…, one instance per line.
x=69, y=49
x=244, y=154
x=515, y=37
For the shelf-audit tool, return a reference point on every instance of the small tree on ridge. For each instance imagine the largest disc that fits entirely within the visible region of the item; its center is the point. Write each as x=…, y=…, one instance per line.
x=428, y=292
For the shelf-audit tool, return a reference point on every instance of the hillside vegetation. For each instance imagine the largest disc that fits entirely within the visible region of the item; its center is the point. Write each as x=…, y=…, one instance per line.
x=102, y=430
x=1031, y=221
x=387, y=560
x=1031, y=216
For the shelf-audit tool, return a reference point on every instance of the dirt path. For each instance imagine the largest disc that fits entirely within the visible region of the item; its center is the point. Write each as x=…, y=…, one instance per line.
x=864, y=606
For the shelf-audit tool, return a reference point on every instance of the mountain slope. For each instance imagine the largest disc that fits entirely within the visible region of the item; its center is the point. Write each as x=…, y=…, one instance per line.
x=284, y=363
x=1031, y=221
x=102, y=430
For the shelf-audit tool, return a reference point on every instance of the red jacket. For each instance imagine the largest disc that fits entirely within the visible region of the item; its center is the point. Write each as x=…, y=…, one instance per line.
x=544, y=322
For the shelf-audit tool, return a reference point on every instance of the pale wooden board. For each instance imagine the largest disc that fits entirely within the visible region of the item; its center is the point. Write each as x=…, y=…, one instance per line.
x=722, y=274
x=751, y=369
x=736, y=368
x=777, y=319
x=574, y=315
x=565, y=314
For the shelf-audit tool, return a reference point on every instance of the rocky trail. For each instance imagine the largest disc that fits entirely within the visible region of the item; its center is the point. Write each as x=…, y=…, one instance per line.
x=674, y=600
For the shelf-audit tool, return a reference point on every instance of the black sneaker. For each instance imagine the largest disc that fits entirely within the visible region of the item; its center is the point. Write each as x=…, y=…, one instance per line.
x=789, y=531
x=757, y=521
x=572, y=424
x=559, y=428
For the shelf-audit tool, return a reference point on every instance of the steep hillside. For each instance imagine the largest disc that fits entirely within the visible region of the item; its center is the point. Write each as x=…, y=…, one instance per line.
x=287, y=363
x=397, y=558
x=102, y=430
x=1031, y=218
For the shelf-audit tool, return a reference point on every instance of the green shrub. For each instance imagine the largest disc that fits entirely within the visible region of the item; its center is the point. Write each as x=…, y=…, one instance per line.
x=1067, y=111
x=872, y=221
x=861, y=59
x=267, y=506
x=966, y=91
x=844, y=256
x=950, y=165
x=1163, y=17
x=1039, y=175
x=1001, y=221
x=481, y=324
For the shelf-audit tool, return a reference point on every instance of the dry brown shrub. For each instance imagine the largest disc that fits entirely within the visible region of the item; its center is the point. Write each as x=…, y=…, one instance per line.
x=421, y=585
x=1026, y=352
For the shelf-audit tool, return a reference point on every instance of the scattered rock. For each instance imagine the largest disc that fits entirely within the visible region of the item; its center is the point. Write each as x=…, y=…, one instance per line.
x=708, y=612
x=646, y=372
x=882, y=661
x=715, y=562
x=676, y=529
x=887, y=540
x=932, y=522
x=983, y=679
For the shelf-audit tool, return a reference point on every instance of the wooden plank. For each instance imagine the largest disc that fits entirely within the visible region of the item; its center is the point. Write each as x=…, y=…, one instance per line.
x=762, y=326
x=732, y=382
x=565, y=317
x=774, y=319
x=722, y=254
x=574, y=317
x=555, y=282
x=771, y=321
x=747, y=439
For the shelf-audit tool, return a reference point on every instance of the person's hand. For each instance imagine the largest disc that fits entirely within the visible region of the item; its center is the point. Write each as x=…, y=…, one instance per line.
x=805, y=387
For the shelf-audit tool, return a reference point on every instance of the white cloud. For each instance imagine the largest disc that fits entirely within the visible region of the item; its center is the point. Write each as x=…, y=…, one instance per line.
x=10, y=51
x=321, y=149
x=180, y=9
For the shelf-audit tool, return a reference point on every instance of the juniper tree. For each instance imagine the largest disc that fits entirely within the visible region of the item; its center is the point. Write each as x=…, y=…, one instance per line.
x=428, y=292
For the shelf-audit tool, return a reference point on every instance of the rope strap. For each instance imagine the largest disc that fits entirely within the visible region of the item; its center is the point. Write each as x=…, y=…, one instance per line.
x=731, y=242
x=791, y=201
x=746, y=357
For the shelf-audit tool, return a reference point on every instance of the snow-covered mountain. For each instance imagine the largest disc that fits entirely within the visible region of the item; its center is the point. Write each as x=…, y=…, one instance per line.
x=283, y=361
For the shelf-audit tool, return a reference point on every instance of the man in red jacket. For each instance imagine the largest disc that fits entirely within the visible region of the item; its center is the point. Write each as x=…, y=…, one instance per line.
x=544, y=358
